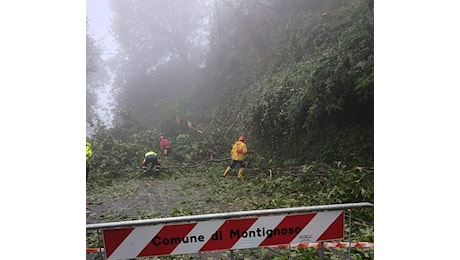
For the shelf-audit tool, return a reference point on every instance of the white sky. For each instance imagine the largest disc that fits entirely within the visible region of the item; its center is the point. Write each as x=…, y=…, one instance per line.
x=99, y=16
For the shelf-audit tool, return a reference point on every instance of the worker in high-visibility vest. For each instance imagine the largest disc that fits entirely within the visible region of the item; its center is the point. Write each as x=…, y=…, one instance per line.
x=151, y=158
x=89, y=154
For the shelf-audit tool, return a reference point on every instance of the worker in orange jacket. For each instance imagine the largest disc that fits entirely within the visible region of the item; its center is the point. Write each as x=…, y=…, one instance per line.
x=239, y=150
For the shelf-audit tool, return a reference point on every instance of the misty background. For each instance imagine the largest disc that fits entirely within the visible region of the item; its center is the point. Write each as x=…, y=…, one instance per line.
x=296, y=77
x=142, y=52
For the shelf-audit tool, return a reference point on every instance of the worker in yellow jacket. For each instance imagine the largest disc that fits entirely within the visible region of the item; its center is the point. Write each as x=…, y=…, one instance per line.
x=89, y=154
x=239, y=150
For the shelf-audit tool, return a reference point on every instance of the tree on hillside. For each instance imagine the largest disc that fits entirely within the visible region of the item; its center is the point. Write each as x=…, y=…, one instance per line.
x=96, y=76
x=160, y=51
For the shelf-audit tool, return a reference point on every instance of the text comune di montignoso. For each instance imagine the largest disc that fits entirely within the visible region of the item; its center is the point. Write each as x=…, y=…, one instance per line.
x=233, y=233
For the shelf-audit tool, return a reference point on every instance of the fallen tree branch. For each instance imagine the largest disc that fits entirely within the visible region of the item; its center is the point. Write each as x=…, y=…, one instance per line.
x=230, y=127
x=295, y=171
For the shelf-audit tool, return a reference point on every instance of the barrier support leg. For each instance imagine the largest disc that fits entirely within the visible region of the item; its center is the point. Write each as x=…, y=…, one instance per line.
x=349, y=226
x=321, y=251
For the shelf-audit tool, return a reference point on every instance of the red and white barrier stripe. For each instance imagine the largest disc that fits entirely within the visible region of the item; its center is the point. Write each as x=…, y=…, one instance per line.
x=160, y=240
x=331, y=244
x=94, y=250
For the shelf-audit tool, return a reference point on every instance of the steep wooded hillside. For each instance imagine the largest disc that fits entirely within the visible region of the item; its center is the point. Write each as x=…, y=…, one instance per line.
x=296, y=77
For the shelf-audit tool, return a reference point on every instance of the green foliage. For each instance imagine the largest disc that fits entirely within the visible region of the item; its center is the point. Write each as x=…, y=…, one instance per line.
x=119, y=150
x=181, y=212
x=314, y=76
x=183, y=149
x=202, y=190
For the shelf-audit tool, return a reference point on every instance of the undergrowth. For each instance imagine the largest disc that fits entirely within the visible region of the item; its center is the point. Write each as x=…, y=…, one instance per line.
x=180, y=191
